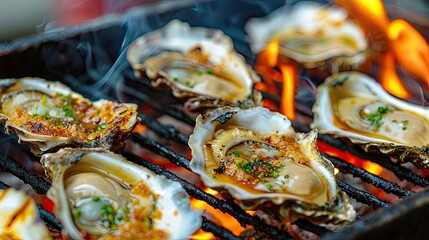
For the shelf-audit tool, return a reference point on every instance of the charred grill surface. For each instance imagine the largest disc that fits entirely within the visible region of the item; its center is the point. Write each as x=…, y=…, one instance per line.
x=66, y=63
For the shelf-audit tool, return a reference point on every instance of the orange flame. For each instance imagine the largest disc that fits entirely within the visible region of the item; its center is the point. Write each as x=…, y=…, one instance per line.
x=408, y=45
x=411, y=49
x=369, y=14
x=140, y=128
x=288, y=90
x=389, y=78
x=269, y=56
x=221, y=218
x=347, y=156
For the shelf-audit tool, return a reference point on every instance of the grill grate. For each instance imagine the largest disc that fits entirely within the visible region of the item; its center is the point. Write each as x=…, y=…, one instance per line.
x=43, y=60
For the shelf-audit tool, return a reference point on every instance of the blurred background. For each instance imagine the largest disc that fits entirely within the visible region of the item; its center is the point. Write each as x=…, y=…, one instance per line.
x=19, y=18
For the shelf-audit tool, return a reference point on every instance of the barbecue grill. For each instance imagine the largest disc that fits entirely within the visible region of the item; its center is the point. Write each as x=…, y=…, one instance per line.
x=91, y=60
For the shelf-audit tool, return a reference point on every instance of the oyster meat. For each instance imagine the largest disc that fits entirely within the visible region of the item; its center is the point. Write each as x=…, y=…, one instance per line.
x=101, y=194
x=19, y=218
x=258, y=158
x=355, y=106
x=200, y=66
x=49, y=115
x=315, y=35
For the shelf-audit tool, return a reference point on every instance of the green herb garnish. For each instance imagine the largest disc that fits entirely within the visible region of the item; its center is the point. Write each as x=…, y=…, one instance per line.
x=68, y=110
x=188, y=83
x=175, y=79
x=209, y=72
x=95, y=198
x=270, y=187
x=287, y=176
x=260, y=169
x=77, y=212
x=43, y=100
x=101, y=127
x=236, y=153
x=375, y=118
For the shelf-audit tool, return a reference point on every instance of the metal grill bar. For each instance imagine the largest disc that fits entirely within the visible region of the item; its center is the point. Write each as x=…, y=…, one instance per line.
x=401, y=172
x=163, y=130
x=173, y=112
x=221, y=232
x=362, y=196
x=359, y=195
x=388, y=187
x=39, y=184
x=242, y=217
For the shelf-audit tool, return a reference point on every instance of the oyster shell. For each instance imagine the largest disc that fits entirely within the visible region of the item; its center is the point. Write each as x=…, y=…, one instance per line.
x=355, y=106
x=103, y=195
x=258, y=158
x=312, y=34
x=200, y=66
x=49, y=115
x=20, y=218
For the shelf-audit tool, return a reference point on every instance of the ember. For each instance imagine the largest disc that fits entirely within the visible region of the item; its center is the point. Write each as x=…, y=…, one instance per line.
x=82, y=58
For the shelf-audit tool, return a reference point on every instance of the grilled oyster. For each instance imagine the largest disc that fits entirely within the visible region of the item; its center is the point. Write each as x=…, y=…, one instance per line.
x=200, y=66
x=258, y=158
x=103, y=195
x=355, y=106
x=315, y=35
x=49, y=115
x=19, y=217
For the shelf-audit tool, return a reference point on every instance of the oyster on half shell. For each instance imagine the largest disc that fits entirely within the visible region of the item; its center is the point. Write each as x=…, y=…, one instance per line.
x=355, y=106
x=49, y=115
x=315, y=35
x=200, y=66
x=258, y=158
x=101, y=194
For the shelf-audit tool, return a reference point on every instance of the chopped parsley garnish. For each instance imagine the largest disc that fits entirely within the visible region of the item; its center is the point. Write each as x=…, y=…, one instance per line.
x=209, y=72
x=188, y=83
x=404, y=124
x=376, y=117
x=68, y=110
x=199, y=73
x=77, y=212
x=286, y=176
x=270, y=187
x=43, y=100
x=101, y=127
x=260, y=169
x=236, y=153
x=175, y=79
x=96, y=198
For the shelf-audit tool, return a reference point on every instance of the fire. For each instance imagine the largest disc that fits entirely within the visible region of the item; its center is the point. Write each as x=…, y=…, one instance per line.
x=269, y=56
x=266, y=63
x=358, y=162
x=140, y=128
x=410, y=49
x=221, y=218
x=288, y=90
x=389, y=78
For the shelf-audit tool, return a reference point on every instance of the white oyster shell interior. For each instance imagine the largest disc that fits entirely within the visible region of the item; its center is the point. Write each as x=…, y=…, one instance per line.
x=353, y=105
x=29, y=108
x=308, y=33
x=193, y=61
x=87, y=182
x=257, y=157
